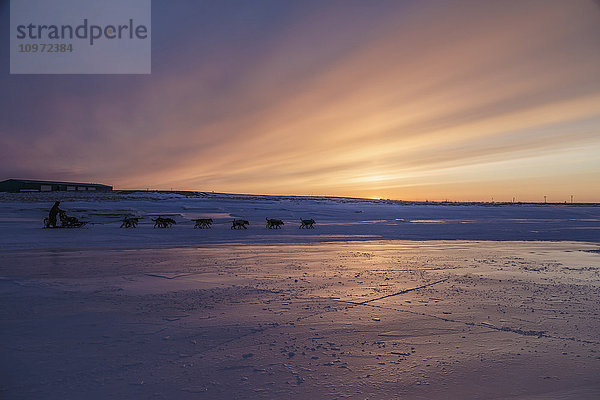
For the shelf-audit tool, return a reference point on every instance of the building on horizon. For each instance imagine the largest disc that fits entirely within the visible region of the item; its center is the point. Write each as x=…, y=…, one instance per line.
x=28, y=185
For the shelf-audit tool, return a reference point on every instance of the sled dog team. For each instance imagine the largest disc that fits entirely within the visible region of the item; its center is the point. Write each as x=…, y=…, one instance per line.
x=206, y=223
x=162, y=222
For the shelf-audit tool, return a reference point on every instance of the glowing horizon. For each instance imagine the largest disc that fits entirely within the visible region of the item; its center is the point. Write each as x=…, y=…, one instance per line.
x=465, y=101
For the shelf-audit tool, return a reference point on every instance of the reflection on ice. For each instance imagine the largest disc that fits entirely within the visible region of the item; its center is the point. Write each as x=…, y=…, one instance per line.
x=391, y=319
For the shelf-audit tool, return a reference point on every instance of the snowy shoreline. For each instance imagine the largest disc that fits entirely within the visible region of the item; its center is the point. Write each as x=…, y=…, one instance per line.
x=21, y=216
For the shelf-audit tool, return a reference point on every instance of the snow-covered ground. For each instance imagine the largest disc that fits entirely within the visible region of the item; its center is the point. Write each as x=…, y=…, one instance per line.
x=379, y=301
x=21, y=217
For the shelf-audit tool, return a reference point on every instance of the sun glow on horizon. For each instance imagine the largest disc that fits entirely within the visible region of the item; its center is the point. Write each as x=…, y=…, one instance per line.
x=399, y=100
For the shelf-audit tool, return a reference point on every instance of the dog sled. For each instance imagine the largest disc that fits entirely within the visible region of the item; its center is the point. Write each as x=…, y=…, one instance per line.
x=65, y=222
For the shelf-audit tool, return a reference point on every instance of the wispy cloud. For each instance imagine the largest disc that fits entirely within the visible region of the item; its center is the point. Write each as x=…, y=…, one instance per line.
x=392, y=99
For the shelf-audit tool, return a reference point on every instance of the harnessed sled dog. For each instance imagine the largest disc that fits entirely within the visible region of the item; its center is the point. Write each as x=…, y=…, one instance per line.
x=274, y=223
x=203, y=223
x=161, y=222
x=307, y=223
x=130, y=222
x=239, y=224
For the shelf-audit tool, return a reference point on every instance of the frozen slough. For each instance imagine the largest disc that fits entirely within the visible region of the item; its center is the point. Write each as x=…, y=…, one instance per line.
x=421, y=318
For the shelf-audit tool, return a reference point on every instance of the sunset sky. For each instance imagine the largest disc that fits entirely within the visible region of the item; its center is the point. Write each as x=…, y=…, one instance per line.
x=412, y=100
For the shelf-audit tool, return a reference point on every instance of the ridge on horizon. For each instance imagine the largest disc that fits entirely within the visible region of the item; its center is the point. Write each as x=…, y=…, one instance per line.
x=357, y=198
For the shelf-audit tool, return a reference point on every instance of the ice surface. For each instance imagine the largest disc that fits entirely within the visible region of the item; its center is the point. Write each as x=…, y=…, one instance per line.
x=379, y=301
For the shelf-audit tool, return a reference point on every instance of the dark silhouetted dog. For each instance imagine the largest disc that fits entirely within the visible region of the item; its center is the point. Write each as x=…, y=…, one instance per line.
x=161, y=222
x=307, y=223
x=203, y=223
x=274, y=223
x=130, y=222
x=239, y=224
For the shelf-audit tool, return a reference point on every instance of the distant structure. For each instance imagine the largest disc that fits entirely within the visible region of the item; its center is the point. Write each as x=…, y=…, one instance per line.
x=26, y=185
